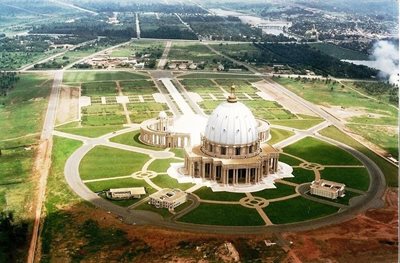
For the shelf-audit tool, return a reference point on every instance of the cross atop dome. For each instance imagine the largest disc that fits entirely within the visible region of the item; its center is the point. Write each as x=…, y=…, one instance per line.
x=232, y=97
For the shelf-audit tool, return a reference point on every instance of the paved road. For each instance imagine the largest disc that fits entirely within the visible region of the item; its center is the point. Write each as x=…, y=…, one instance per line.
x=43, y=159
x=164, y=57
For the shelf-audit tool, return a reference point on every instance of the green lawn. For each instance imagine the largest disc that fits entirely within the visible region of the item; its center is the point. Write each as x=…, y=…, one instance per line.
x=301, y=124
x=206, y=193
x=220, y=76
x=301, y=176
x=165, y=181
x=356, y=178
x=161, y=165
x=297, y=209
x=229, y=215
x=88, y=131
x=340, y=200
x=104, y=162
x=280, y=191
x=161, y=211
x=389, y=170
x=89, y=76
x=178, y=152
x=317, y=151
x=119, y=183
x=278, y=135
x=132, y=138
x=288, y=159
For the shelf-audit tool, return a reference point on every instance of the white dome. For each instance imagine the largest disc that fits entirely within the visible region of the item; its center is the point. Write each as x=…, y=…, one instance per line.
x=162, y=115
x=231, y=123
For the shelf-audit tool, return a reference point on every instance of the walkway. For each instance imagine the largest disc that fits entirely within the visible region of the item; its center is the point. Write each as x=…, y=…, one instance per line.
x=164, y=57
x=137, y=22
x=179, y=100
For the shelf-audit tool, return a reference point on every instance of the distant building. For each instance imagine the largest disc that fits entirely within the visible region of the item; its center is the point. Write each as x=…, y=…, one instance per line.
x=312, y=35
x=168, y=198
x=125, y=193
x=327, y=189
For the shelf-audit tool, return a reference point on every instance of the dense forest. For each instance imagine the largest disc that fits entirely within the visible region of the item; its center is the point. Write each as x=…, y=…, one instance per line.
x=380, y=89
x=304, y=57
x=7, y=82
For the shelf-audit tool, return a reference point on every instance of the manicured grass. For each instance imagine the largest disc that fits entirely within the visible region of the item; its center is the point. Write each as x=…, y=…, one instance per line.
x=86, y=76
x=297, y=209
x=106, y=88
x=280, y=191
x=161, y=165
x=302, y=124
x=356, y=178
x=206, y=193
x=288, y=159
x=178, y=152
x=132, y=138
x=301, y=176
x=278, y=135
x=317, y=151
x=144, y=111
x=88, y=131
x=22, y=110
x=389, y=170
x=229, y=215
x=119, y=183
x=103, y=119
x=104, y=162
x=165, y=181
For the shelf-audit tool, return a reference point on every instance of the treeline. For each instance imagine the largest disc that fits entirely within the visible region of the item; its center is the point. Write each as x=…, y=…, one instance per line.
x=89, y=28
x=304, y=57
x=138, y=7
x=7, y=81
x=380, y=89
x=13, y=237
x=169, y=32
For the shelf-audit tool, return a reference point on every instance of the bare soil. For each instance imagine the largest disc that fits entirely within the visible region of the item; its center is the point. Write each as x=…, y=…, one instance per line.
x=68, y=105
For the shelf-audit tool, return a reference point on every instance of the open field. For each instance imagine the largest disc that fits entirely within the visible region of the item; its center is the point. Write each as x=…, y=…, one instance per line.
x=162, y=165
x=90, y=76
x=301, y=176
x=308, y=147
x=229, y=215
x=207, y=75
x=348, y=104
x=297, y=209
x=389, y=170
x=278, y=135
x=21, y=111
x=140, y=47
x=101, y=162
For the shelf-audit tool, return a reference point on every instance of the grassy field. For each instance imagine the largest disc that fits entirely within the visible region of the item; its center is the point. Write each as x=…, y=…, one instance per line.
x=301, y=176
x=88, y=131
x=369, y=111
x=390, y=171
x=199, y=75
x=288, y=159
x=21, y=111
x=90, y=76
x=308, y=147
x=339, y=52
x=132, y=138
x=161, y=165
x=155, y=48
x=297, y=209
x=356, y=178
x=165, y=181
x=105, y=162
x=301, y=124
x=280, y=191
x=278, y=135
x=230, y=215
x=206, y=193
x=119, y=183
